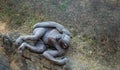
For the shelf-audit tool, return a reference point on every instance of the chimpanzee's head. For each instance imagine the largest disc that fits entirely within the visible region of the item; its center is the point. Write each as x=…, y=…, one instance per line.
x=65, y=41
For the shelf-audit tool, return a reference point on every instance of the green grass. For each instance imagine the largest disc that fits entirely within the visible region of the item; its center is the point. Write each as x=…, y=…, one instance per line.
x=20, y=14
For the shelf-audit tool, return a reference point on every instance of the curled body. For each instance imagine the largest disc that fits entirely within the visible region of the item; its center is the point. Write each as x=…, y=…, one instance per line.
x=47, y=36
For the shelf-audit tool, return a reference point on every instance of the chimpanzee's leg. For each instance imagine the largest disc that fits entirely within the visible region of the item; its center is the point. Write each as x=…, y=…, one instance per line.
x=51, y=54
x=37, y=34
x=38, y=48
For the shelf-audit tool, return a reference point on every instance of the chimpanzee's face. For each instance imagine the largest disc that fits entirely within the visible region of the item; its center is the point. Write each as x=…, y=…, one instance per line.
x=63, y=43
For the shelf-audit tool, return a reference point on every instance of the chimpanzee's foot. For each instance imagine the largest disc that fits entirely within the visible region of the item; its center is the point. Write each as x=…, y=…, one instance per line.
x=22, y=47
x=62, y=61
x=19, y=41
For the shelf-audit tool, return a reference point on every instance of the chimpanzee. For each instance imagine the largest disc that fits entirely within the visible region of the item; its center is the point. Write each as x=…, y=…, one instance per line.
x=48, y=34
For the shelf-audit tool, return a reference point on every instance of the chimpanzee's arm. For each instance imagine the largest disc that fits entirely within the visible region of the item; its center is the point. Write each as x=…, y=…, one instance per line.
x=52, y=24
x=57, y=46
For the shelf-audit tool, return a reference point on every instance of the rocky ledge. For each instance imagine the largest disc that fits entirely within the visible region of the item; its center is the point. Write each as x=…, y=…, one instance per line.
x=11, y=59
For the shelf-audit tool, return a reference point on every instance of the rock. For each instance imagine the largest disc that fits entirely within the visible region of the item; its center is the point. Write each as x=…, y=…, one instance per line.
x=4, y=61
x=16, y=61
